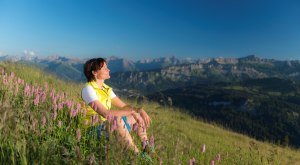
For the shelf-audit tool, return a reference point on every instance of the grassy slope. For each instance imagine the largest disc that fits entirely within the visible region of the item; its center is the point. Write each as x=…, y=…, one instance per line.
x=178, y=137
x=184, y=136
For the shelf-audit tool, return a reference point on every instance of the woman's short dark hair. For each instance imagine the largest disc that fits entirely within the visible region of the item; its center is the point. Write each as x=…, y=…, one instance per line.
x=92, y=65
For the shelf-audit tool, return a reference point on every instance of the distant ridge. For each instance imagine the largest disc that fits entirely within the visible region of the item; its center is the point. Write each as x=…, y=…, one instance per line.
x=170, y=67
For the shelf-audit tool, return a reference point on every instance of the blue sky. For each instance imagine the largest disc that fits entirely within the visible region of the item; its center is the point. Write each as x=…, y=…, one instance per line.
x=148, y=29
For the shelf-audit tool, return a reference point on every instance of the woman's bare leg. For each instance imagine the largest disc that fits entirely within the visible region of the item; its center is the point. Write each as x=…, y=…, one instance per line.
x=142, y=132
x=124, y=133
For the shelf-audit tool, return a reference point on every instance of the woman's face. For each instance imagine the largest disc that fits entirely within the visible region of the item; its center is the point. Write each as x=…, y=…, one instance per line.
x=103, y=73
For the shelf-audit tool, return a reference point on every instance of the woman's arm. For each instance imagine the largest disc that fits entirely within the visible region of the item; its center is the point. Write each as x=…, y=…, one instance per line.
x=100, y=109
x=116, y=101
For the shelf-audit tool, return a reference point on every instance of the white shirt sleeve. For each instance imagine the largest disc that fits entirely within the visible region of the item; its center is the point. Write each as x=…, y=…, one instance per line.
x=88, y=94
x=112, y=94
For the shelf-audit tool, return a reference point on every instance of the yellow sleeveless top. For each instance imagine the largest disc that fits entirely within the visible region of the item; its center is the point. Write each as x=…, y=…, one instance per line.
x=104, y=96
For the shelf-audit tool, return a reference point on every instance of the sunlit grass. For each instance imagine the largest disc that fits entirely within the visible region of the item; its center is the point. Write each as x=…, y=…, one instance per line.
x=47, y=131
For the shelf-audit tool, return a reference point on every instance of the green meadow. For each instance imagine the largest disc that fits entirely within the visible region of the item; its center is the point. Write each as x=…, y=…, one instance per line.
x=40, y=123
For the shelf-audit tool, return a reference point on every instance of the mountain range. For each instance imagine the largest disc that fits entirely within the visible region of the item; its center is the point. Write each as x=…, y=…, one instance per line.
x=148, y=72
x=71, y=68
x=255, y=96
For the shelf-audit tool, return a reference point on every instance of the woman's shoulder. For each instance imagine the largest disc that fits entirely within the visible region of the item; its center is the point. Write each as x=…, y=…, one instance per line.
x=87, y=88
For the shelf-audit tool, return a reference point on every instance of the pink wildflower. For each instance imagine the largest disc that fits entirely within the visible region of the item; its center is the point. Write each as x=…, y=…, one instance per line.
x=78, y=134
x=212, y=162
x=19, y=81
x=63, y=95
x=54, y=115
x=53, y=99
x=34, y=122
x=109, y=117
x=52, y=93
x=36, y=99
x=114, y=125
x=46, y=86
x=69, y=104
x=43, y=97
x=78, y=107
x=86, y=122
x=5, y=81
x=44, y=120
x=73, y=113
x=95, y=119
x=144, y=142
x=59, y=124
x=203, y=148
x=27, y=90
x=218, y=157
x=12, y=74
x=60, y=106
x=151, y=142
x=32, y=89
x=192, y=161
x=54, y=107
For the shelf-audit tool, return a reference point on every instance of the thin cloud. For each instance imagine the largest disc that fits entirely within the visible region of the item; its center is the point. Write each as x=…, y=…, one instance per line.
x=29, y=52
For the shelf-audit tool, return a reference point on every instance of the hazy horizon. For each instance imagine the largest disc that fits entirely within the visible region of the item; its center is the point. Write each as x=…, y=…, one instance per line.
x=143, y=58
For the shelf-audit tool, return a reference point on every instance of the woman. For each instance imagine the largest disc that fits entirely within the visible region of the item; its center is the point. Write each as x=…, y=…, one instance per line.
x=100, y=96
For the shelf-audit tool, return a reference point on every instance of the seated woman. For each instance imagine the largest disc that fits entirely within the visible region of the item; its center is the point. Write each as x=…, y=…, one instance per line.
x=100, y=96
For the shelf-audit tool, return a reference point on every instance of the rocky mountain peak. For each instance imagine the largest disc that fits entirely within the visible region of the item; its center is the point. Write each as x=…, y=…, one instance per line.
x=250, y=58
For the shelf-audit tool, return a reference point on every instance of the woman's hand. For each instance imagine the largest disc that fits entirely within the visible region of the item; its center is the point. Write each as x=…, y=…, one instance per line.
x=145, y=117
x=138, y=119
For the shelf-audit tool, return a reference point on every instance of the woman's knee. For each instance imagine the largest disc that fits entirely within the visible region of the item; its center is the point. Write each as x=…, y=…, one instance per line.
x=131, y=120
x=120, y=122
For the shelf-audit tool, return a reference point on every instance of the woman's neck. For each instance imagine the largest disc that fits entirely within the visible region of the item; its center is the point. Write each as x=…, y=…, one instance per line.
x=99, y=83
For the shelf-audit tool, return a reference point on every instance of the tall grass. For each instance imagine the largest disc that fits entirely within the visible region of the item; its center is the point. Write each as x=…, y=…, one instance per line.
x=40, y=124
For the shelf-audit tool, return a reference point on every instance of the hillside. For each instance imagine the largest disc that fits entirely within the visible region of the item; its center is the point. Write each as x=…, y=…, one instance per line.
x=266, y=109
x=37, y=132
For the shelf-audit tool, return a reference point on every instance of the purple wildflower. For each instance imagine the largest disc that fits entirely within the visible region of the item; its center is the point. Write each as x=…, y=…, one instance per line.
x=73, y=113
x=218, y=157
x=36, y=99
x=151, y=142
x=86, y=122
x=12, y=74
x=43, y=99
x=114, y=125
x=60, y=106
x=54, y=115
x=44, y=120
x=59, y=124
x=78, y=134
x=192, y=161
x=144, y=142
x=203, y=148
